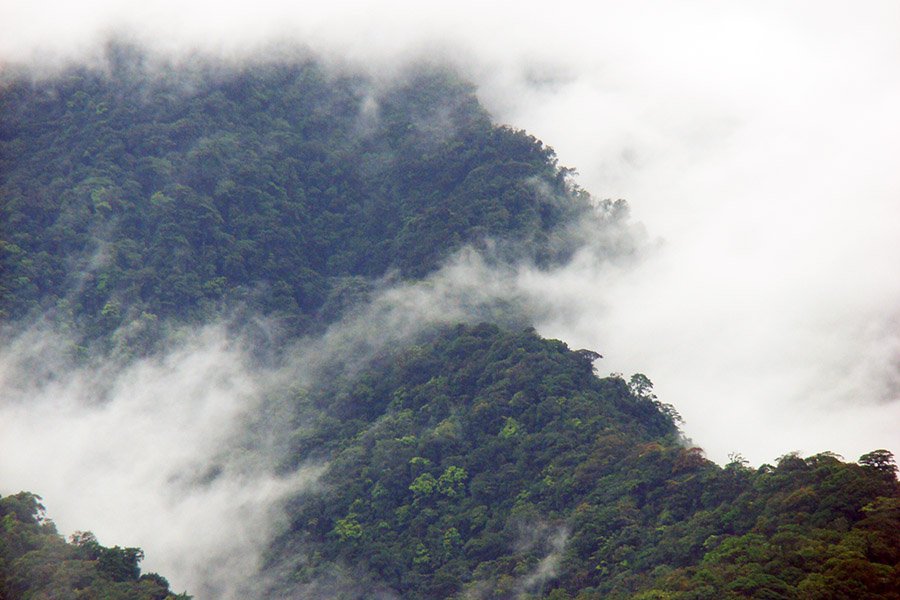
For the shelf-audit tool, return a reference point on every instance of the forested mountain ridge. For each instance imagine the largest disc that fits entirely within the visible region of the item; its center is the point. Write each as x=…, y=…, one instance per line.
x=36, y=562
x=141, y=194
x=469, y=461
x=494, y=464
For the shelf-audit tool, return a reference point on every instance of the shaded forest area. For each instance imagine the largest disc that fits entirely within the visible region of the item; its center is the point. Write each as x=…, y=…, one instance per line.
x=139, y=195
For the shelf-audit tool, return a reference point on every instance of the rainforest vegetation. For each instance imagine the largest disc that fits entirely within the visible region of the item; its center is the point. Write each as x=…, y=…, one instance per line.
x=129, y=200
x=474, y=461
x=36, y=562
x=497, y=464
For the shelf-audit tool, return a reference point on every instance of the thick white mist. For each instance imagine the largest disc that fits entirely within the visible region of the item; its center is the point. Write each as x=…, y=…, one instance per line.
x=758, y=143
x=154, y=454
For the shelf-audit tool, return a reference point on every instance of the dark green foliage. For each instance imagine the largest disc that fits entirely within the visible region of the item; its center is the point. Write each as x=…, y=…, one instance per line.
x=138, y=195
x=808, y=528
x=35, y=561
x=478, y=462
x=463, y=464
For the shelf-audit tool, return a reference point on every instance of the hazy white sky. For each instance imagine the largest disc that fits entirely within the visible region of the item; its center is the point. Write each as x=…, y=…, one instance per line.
x=757, y=141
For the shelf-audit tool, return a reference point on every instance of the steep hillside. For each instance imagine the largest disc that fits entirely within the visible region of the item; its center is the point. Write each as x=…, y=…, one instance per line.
x=469, y=461
x=144, y=193
x=494, y=464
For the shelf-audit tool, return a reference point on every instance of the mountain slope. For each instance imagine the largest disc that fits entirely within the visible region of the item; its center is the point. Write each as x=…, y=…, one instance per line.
x=492, y=464
x=155, y=193
x=472, y=461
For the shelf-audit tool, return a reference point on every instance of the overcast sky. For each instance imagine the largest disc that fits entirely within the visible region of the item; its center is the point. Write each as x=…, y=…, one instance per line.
x=757, y=142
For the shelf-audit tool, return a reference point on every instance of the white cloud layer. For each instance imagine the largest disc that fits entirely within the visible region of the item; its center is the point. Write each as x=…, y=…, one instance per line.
x=154, y=453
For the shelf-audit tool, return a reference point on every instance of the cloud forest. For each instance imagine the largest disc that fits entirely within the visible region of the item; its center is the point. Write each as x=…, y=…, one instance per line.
x=270, y=327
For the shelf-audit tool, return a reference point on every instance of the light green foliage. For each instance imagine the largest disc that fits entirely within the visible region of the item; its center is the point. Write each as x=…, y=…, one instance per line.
x=510, y=428
x=422, y=556
x=452, y=482
x=348, y=528
x=424, y=485
x=452, y=540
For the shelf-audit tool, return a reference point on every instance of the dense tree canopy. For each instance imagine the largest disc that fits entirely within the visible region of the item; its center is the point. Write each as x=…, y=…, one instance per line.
x=36, y=562
x=468, y=464
x=476, y=461
x=139, y=193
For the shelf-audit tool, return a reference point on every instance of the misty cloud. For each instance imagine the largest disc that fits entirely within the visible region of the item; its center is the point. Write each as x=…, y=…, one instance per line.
x=548, y=567
x=151, y=453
